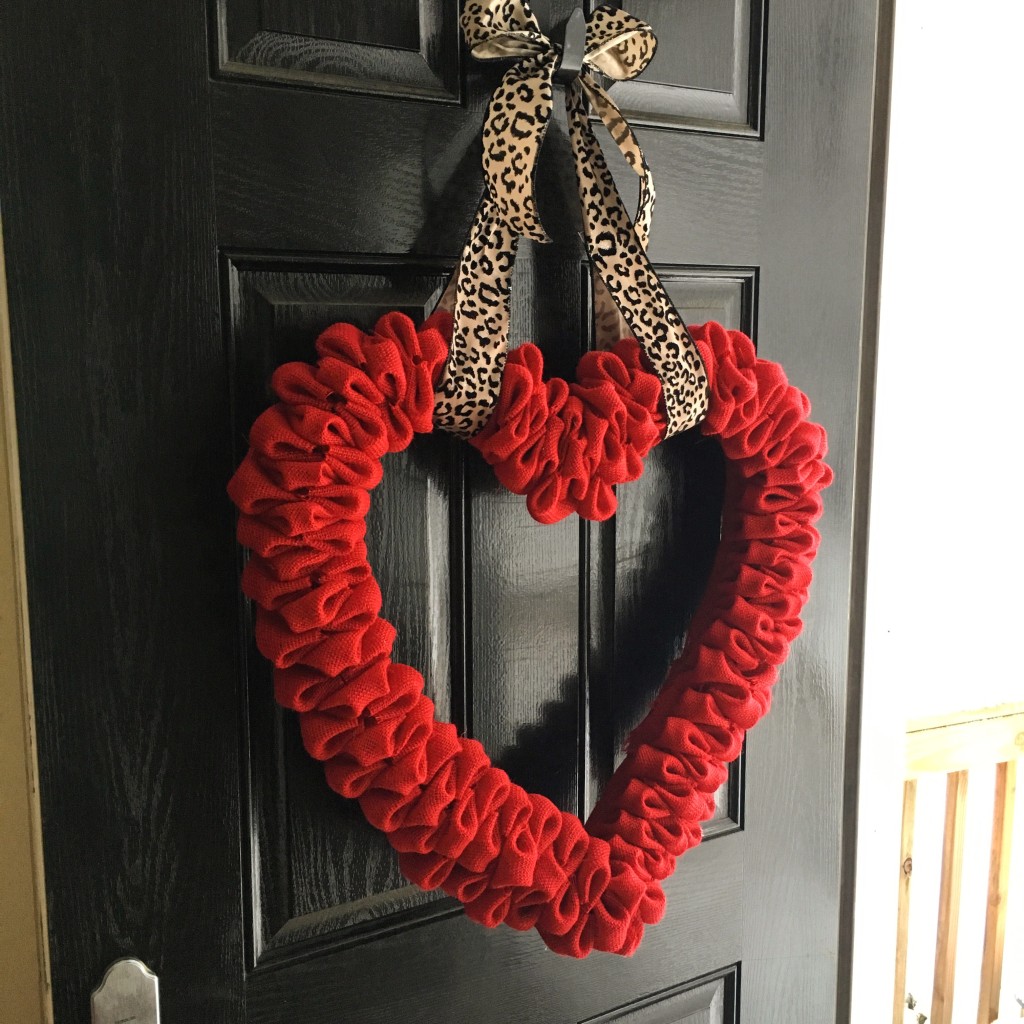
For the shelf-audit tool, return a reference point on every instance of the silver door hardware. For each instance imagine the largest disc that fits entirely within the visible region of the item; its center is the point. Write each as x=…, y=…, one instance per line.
x=128, y=994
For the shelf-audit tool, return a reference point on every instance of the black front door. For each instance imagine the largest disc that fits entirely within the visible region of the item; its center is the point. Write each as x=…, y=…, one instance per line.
x=189, y=195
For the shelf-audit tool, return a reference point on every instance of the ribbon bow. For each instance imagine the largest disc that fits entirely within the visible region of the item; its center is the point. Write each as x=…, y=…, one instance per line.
x=618, y=46
x=628, y=297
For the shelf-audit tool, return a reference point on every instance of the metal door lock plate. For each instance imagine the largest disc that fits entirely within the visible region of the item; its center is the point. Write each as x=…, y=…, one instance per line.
x=128, y=994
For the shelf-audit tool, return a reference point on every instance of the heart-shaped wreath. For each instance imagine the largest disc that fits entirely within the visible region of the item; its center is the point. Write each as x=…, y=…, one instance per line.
x=456, y=820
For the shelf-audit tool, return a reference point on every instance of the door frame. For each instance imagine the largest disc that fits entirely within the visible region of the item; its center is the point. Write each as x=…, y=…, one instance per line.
x=24, y=945
x=865, y=966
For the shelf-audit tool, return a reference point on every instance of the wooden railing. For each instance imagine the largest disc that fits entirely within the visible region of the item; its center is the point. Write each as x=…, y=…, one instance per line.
x=954, y=746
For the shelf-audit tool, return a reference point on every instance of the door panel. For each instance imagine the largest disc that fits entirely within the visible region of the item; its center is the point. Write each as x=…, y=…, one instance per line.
x=712, y=1001
x=380, y=46
x=708, y=71
x=554, y=661
x=317, y=868
x=211, y=190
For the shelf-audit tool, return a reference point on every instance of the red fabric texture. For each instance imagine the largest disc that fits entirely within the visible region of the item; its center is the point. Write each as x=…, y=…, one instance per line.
x=565, y=446
x=458, y=822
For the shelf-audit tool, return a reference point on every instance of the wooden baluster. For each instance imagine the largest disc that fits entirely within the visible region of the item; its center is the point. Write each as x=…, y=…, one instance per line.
x=899, y=997
x=949, y=898
x=998, y=883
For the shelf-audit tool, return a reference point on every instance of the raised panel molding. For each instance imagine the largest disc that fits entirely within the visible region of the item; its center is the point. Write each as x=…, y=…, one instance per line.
x=319, y=874
x=390, y=47
x=318, y=871
x=729, y=297
x=725, y=294
x=715, y=79
x=665, y=538
x=713, y=1000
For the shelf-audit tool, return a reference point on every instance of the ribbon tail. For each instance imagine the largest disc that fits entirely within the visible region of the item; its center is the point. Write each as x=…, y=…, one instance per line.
x=610, y=326
x=609, y=323
x=630, y=279
x=471, y=380
x=629, y=146
x=513, y=134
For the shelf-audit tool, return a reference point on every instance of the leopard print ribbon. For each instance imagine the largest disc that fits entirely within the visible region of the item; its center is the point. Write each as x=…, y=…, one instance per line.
x=620, y=47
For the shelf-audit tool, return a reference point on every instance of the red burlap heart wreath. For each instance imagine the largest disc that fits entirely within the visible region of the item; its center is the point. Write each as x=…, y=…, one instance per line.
x=458, y=822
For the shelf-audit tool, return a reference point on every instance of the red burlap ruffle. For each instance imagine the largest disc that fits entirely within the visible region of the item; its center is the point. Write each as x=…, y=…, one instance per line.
x=566, y=446
x=456, y=820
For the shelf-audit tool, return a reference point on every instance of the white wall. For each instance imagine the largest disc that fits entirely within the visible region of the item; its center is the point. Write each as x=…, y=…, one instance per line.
x=945, y=616
x=946, y=564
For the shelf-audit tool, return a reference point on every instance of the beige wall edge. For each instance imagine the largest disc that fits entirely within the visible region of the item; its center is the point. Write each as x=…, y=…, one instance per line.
x=24, y=953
